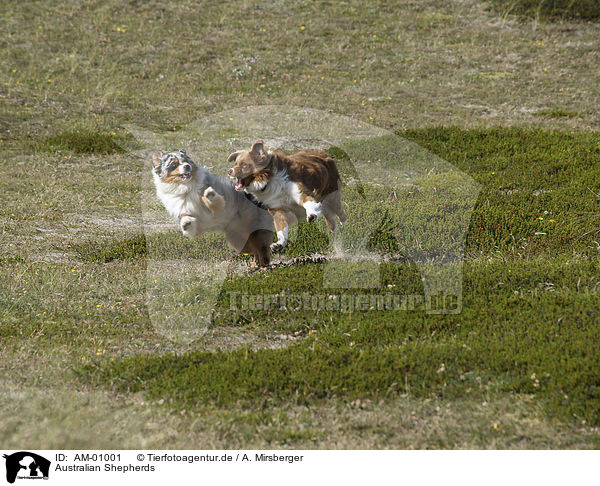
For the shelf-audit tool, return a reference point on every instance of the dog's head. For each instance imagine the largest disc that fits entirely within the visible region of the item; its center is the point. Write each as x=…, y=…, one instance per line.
x=249, y=166
x=173, y=167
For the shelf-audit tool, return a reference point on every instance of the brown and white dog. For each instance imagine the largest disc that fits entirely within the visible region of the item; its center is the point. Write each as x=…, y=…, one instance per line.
x=306, y=184
x=202, y=202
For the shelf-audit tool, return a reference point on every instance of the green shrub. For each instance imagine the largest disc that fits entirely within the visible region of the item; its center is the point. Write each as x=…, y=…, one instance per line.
x=82, y=141
x=551, y=9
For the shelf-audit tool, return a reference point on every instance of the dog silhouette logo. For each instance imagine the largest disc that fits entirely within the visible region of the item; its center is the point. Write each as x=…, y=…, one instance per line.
x=33, y=465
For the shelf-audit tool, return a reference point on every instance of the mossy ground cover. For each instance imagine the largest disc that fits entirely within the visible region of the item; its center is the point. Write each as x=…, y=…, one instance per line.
x=82, y=141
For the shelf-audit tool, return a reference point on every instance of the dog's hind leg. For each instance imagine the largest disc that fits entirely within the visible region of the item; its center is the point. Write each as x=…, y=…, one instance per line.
x=258, y=246
x=339, y=208
x=342, y=215
x=263, y=254
x=329, y=215
x=332, y=206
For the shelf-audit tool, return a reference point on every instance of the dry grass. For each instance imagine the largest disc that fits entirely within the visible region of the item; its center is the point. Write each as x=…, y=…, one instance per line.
x=70, y=418
x=405, y=64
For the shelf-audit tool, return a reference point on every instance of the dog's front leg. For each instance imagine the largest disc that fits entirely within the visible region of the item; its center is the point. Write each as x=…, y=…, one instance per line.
x=189, y=226
x=283, y=219
x=214, y=201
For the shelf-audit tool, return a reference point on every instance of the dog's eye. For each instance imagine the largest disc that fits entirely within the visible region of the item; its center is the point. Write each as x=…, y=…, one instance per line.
x=173, y=165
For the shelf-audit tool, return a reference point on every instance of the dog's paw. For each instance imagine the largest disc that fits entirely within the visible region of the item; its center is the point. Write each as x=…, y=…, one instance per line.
x=210, y=193
x=276, y=247
x=214, y=201
x=313, y=211
x=188, y=226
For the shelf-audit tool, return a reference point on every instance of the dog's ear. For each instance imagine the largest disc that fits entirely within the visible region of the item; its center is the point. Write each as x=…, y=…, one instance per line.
x=257, y=148
x=233, y=156
x=156, y=156
x=259, y=155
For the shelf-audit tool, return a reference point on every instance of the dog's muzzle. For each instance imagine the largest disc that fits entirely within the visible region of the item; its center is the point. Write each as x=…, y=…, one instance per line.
x=185, y=172
x=239, y=185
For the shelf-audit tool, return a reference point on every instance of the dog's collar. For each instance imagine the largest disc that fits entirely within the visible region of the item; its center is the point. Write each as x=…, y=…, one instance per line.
x=254, y=200
x=259, y=190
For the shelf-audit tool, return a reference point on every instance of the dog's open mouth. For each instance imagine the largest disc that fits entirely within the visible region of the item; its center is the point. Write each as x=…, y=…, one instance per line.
x=185, y=176
x=238, y=184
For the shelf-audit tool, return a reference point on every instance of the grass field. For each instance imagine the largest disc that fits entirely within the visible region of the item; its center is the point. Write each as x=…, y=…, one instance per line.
x=504, y=96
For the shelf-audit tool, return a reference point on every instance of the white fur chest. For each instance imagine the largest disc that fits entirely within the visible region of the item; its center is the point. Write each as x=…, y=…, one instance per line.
x=177, y=205
x=180, y=199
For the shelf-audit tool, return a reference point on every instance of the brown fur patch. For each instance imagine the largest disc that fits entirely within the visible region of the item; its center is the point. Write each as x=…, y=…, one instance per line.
x=314, y=171
x=304, y=197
